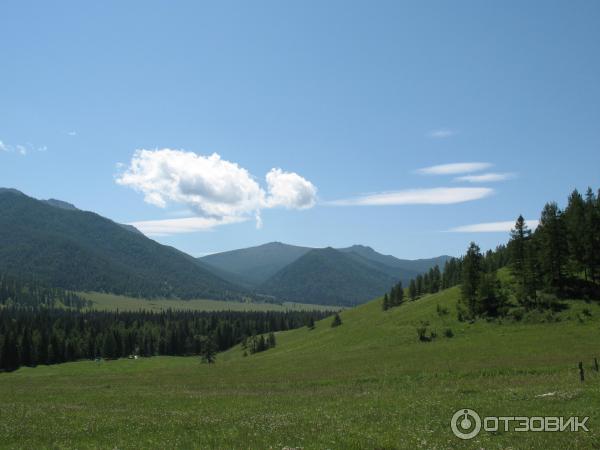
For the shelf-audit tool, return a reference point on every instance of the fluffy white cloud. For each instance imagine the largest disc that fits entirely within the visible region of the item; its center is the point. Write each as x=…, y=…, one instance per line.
x=454, y=168
x=290, y=190
x=212, y=187
x=441, y=133
x=485, y=177
x=433, y=196
x=492, y=227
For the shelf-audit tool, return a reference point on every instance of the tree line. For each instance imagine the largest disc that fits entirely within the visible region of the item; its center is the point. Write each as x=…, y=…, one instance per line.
x=14, y=291
x=560, y=259
x=33, y=333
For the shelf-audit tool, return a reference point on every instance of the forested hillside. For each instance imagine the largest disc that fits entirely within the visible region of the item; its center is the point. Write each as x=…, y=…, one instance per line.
x=77, y=250
x=328, y=277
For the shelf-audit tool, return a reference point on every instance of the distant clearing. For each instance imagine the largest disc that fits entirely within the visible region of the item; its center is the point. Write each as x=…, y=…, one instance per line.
x=111, y=302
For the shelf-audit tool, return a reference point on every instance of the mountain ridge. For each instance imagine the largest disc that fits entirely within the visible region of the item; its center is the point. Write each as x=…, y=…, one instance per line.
x=81, y=250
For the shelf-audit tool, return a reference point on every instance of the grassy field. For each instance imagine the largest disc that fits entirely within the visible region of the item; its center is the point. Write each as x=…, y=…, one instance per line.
x=368, y=384
x=111, y=302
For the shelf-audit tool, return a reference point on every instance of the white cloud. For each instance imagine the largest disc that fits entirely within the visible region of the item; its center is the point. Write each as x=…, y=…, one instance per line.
x=441, y=133
x=211, y=187
x=184, y=225
x=72, y=133
x=454, y=168
x=433, y=196
x=486, y=177
x=21, y=149
x=492, y=227
x=290, y=190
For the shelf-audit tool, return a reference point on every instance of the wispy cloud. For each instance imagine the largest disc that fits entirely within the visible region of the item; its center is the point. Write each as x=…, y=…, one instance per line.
x=21, y=149
x=72, y=133
x=441, y=133
x=433, y=196
x=168, y=227
x=486, y=177
x=454, y=168
x=491, y=227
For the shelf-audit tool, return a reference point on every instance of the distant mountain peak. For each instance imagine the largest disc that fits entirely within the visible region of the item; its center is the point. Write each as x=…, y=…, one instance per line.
x=60, y=204
x=10, y=191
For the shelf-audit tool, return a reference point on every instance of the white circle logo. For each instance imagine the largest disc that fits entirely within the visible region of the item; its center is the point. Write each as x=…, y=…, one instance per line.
x=466, y=424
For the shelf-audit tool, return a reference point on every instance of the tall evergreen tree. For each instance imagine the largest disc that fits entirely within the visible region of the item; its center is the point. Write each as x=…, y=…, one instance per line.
x=471, y=277
x=412, y=289
x=522, y=266
x=553, y=248
x=385, y=305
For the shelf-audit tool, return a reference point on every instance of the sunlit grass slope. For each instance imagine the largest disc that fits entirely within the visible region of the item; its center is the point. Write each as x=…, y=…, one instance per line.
x=112, y=302
x=369, y=383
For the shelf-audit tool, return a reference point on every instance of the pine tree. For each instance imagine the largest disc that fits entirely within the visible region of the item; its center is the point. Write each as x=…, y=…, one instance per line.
x=522, y=266
x=576, y=228
x=471, y=277
x=271, y=340
x=209, y=349
x=399, y=293
x=337, y=321
x=412, y=289
x=491, y=300
x=553, y=248
x=385, y=305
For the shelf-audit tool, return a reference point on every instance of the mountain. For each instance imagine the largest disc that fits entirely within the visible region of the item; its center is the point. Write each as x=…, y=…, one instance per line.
x=254, y=265
x=69, y=206
x=65, y=247
x=414, y=266
x=328, y=277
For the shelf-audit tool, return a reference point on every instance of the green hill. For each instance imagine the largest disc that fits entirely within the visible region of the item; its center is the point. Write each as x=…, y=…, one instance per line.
x=254, y=265
x=402, y=269
x=64, y=247
x=329, y=277
x=369, y=383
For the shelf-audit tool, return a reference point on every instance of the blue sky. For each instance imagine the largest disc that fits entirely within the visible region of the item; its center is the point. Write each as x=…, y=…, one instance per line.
x=349, y=99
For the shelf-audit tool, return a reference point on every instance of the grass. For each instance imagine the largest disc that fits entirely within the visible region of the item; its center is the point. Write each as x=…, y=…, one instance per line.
x=111, y=302
x=368, y=383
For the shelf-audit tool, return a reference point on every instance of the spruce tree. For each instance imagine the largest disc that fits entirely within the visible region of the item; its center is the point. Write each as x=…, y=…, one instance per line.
x=412, y=289
x=385, y=305
x=551, y=235
x=399, y=293
x=337, y=321
x=471, y=277
x=522, y=266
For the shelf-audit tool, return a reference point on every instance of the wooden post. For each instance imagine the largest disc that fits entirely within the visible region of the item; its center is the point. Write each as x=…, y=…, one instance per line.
x=581, y=374
x=596, y=364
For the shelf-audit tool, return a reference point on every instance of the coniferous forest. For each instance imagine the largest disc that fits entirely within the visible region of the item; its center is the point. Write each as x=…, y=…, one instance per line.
x=40, y=325
x=559, y=260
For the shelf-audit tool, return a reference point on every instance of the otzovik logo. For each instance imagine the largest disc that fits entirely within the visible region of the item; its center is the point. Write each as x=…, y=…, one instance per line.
x=466, y=423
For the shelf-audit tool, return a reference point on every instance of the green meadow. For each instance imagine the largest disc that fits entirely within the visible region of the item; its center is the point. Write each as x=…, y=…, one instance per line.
x=111, y=302
x=367, y=384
